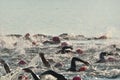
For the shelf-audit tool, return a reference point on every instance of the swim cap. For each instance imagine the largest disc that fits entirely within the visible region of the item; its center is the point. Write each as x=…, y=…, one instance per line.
x=64, y=44
x=83, y=68
x=27, y=36
x=79, y=51
x=111, y=59
x=56, y=39
x=22, y=77
x=22, y=62
x=77, y=78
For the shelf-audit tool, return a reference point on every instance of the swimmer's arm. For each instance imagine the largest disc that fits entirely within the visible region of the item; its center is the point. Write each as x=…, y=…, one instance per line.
x=34, y=76
x=85, y=62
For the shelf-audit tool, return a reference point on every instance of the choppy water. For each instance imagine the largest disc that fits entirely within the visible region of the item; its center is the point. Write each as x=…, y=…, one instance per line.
x=26, y=51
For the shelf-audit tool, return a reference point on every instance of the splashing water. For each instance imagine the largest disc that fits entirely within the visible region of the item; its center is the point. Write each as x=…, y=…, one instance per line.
x=97, y=71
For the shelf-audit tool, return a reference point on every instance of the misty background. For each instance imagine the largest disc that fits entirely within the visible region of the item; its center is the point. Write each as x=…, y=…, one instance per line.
x=86, y=17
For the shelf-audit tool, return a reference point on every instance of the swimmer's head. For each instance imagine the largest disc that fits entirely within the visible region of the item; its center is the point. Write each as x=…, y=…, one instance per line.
x=83, y=68
x=56, y=39
x=79, y=51
x=21, y=62
x=64, y=44
x=76, y=78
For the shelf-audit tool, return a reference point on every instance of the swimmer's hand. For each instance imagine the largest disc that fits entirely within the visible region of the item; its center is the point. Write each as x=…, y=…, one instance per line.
x=86, y=63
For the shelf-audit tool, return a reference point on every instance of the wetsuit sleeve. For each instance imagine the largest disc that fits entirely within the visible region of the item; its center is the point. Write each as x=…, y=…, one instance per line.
x=53, y=73
x=7, y=69
x=34, y=76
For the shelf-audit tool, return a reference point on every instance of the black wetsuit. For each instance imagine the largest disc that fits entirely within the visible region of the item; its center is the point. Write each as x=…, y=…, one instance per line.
x=50, y=72
x=32, y=73
x=73, y=64
x=34, y=76
x=102, y=56
x=53, y=73
x=7, y=69
x=45, y=62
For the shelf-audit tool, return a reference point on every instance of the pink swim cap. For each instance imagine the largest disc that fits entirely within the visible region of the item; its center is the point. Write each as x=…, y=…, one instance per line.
x=77, y=78
x=83, y=68
x=21, y=62
x=79, y=51
x=111, y=59
x=56, y=39
x=64, y=44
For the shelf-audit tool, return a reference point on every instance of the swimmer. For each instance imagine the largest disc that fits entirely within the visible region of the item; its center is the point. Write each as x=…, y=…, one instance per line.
x=49, y=72
x=32, y=73
x=46, y=62
x=102, y=56
x=56, y=75
x=73, y=65
x=27, y=37
x=65, y=49
x=55, y=40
